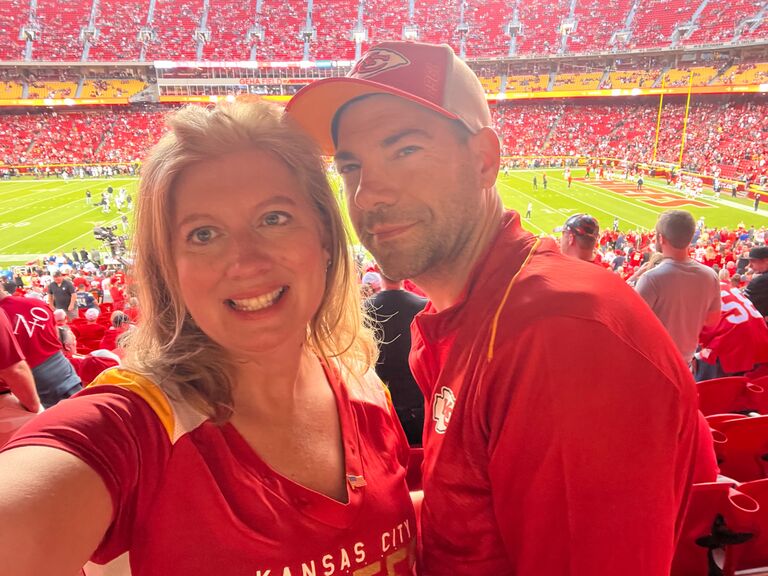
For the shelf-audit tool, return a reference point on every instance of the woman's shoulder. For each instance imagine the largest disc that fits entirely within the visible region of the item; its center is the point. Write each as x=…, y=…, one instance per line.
x=175, y=415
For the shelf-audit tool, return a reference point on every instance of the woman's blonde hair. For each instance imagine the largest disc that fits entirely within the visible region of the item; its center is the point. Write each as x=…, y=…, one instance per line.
x=167, y=345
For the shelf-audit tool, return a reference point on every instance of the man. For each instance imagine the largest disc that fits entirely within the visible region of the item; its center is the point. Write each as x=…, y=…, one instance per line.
x=61, y=295
x=757, y=200
x=85, y=299
x=580, y=234
x=537, y=460
x=18, y=399
x=757, y=289
x=529, y=211
x=738, y=343
x=392, y=310
x=684, y=294
x=35, y=329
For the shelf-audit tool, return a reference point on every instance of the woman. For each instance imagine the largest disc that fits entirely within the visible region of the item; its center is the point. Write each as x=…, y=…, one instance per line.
x=245, y=436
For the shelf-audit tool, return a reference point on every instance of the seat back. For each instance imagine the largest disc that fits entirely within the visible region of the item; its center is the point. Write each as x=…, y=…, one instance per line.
x=718, y=523
x=742, y=451
x=731, y=394
x=755, y=552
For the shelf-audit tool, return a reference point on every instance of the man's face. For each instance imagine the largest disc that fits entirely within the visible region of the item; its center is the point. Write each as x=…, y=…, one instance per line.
x=58, y=279
x=410, y=183
x=566, y=240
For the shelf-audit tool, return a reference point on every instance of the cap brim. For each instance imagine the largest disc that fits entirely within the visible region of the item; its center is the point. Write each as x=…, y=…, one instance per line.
x=314, y=106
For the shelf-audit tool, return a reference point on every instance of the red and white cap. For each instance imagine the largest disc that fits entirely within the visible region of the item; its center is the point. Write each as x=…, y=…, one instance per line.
x=428, y=74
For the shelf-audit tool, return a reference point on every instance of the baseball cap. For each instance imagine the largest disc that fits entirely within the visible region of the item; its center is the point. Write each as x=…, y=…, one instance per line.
x=428, y=74
x=581, y=225
x=758, y=253
x=372, y=278
x=91, y=314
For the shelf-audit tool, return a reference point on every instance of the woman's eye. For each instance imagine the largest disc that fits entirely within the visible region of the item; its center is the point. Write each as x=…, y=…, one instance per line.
x=276, y=219
x=201, y=236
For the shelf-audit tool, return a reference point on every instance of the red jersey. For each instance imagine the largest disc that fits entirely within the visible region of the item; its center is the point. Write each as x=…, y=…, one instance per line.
x=740, y=339
x=540, y=458
x=111, y=334
x=34, y=328
x=10, y=353
x=89, y=335
x=193, y=499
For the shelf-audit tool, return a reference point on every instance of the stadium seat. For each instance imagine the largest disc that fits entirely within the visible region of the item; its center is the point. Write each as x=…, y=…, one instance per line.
x=743, y=453
x=719, y=521
x=733, y=394
x=755, y=552
x=715, y=419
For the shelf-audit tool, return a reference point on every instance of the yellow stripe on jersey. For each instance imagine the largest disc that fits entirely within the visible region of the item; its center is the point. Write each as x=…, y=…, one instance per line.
x=146, y=389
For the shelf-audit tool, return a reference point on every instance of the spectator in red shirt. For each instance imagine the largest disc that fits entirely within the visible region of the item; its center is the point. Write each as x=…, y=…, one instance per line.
x=119, y=324
x=89, y=332
x=35, y=329
x=18, y=398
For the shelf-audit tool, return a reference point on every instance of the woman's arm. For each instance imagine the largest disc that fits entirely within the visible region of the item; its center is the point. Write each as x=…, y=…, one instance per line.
x=54, y=512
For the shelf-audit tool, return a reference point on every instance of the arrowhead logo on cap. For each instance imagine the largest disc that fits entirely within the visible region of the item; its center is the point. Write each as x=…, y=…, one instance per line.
x=377, y=61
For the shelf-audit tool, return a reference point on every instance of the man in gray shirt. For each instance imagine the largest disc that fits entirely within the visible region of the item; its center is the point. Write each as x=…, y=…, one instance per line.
x=684, y=294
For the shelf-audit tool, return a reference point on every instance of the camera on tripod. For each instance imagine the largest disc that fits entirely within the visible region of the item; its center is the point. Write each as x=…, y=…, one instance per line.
x=115, y=244
x=104, y=233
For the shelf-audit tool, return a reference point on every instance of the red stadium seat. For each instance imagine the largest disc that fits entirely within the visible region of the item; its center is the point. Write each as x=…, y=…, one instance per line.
x=719, y=521
x=743, y=452
x=755, y=552
x=762, y=382
x=715, y=419
x=731, y=394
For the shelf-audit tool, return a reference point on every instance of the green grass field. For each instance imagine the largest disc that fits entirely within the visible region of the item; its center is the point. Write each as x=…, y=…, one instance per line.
x=40, y=217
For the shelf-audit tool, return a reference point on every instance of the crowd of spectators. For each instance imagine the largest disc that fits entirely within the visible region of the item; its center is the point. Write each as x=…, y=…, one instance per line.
x=104, y=306
x=334, y=21
x=102, y=135
x=597, y=22
x=718, y=21
x=231, y=19
x=170, y=29
x=727, y=136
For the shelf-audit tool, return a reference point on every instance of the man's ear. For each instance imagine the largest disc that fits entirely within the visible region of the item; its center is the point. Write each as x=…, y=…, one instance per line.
x=486, y=148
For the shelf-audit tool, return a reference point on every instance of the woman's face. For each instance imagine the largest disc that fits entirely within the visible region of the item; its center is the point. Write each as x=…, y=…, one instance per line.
x=249, y=253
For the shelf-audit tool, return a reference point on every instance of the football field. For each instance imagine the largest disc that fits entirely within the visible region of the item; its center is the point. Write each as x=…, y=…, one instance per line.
x=41, y=217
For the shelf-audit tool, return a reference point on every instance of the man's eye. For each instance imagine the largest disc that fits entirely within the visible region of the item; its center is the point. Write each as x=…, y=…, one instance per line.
x=407, y=151
x=346, y=168
x=276, y=219
x=201, y=236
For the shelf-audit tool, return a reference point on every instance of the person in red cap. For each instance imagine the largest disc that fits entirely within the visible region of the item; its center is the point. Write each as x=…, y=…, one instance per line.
x=537, y=459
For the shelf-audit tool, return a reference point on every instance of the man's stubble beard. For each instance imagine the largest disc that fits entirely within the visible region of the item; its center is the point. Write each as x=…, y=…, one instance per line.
x=437, y=242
